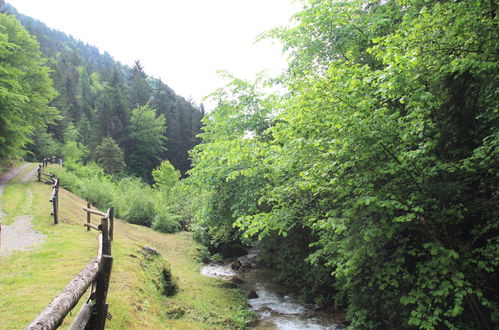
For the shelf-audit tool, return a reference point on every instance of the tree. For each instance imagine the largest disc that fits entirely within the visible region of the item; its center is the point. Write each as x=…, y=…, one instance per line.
x=165, y=176
x=140, y=91
x=375, y=186
x=25, y=88
x=112, y=110
x=110, y=156
x=145, y=141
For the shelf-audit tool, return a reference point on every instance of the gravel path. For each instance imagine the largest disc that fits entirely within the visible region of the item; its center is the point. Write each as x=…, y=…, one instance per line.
x=20, y=235
x=29, y=175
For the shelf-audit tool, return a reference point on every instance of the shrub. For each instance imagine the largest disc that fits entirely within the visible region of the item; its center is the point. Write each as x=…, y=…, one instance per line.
x=141, y=210
x=99, y=192
x=166, y=223
x=134, y=201
x=68, y=179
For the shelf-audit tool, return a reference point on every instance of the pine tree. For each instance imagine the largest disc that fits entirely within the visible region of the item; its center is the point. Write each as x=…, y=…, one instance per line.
x=140, y=91
x=110, y=156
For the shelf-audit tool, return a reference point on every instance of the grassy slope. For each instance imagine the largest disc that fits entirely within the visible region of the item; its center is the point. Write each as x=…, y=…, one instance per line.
x=30, y=280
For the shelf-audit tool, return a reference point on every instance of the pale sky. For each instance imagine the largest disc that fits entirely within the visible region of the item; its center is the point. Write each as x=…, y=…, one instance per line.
x=183, y=42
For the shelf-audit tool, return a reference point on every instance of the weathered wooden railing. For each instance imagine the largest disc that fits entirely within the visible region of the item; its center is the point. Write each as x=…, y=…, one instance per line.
x=109, y=215
x=96, y=275
x=54, y=197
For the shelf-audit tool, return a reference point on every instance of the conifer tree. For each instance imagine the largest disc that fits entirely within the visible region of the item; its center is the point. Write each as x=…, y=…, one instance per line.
x=110, y=156
x=140, y=91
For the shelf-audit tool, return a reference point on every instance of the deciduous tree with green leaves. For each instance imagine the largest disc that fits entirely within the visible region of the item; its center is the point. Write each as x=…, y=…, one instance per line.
x=375, y=188
x=25, y=88
x=145, y=141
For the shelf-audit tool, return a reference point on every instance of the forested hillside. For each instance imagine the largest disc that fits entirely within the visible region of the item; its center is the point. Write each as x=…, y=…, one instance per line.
x=372, y=184
x=97, y=98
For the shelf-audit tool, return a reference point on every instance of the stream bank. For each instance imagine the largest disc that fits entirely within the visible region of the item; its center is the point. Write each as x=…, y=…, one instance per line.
x=276, y=306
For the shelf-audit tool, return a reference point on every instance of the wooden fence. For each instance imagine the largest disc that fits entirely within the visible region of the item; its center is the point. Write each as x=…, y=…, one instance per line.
x=54, y=197
x=51, y=160
x=96, y=276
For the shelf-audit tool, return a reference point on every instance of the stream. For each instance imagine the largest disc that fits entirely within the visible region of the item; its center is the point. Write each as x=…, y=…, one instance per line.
x=275, y=306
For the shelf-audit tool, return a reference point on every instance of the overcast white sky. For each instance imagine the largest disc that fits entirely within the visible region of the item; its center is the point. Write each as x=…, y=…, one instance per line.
x=183, y=42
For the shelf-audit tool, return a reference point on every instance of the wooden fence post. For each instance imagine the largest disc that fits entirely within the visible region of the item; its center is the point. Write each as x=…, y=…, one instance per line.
x=55, y=198
x=88, y=215
x=106, y=243
x=39, y=172
x=99, y=315
x=56, y=206
x=98, y=319
x=111, y=223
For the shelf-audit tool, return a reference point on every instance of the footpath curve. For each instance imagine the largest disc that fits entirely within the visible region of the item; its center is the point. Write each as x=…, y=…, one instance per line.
x=19, y=235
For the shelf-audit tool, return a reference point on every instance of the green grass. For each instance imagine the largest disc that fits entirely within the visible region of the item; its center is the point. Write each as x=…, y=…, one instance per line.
x=29, y=280
x=14, y=202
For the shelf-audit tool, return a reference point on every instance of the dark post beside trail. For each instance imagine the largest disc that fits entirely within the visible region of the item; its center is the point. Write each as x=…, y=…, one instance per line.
x=111, y=222
x=99, y=315
x=88, y=216
x=56, y=189
x=55, y=198
x=39, y=172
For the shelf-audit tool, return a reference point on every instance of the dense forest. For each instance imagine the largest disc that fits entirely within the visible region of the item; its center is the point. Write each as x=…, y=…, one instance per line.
x=97, y=99
x=370, y=182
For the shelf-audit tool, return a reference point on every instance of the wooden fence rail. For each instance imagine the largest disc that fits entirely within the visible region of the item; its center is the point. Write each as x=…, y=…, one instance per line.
x=109, y=215
x=95, y=275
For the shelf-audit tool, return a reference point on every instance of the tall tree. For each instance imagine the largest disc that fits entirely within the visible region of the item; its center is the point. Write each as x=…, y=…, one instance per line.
x=145, y=141
x=112, y=110
x=25, y=88
x=110, y=156
x=140, y=90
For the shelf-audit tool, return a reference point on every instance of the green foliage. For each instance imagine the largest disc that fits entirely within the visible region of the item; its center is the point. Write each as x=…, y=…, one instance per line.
x=165, y=176
x=72, y=152
x=43, y=144
x=97, y=191
x=166, y=210
x=373, y=182
x=134, y=201
x=145, y=141
x=140, y=89
x=25, y=88
x=110, y=156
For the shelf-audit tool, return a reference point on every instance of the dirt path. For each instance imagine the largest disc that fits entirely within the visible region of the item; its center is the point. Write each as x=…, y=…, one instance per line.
x=20, y=235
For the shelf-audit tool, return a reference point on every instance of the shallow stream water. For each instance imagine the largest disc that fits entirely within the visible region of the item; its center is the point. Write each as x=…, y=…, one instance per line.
x=276, y=307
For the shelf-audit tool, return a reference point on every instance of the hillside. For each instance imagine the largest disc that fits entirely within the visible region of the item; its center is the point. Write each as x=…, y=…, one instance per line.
x=30, y=279
x=96, y=92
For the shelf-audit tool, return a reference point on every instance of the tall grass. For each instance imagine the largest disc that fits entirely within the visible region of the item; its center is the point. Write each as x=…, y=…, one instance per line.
x=165, y=209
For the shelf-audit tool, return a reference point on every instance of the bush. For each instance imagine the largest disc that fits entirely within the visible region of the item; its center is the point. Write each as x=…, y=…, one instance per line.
x=98, y=192
x=68, y=180
x=91, y=170
x=134, y=201
x=166, y=223
x=141, y=210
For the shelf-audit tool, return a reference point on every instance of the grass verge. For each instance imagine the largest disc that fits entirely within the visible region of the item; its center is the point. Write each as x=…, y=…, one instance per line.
x=29, y=280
